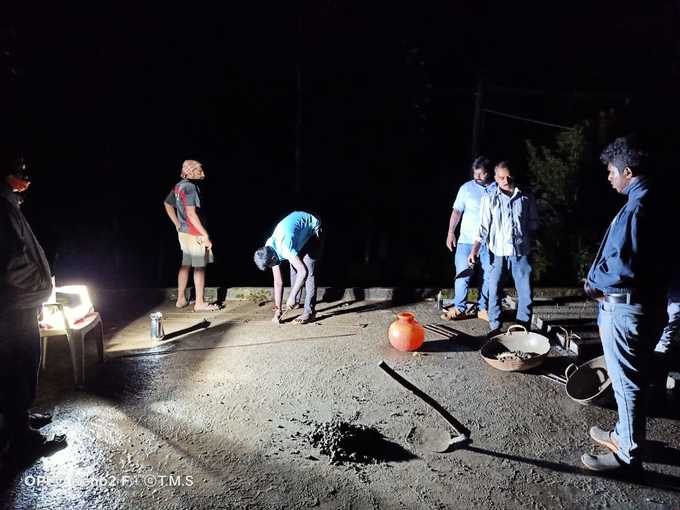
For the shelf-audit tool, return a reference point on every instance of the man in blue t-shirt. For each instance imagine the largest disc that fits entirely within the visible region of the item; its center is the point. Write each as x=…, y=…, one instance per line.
x=466, y=206
x=297, y=239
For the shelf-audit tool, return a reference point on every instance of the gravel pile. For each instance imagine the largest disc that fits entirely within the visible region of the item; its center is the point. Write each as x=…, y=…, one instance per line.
x=515, y=355
x=347, y=442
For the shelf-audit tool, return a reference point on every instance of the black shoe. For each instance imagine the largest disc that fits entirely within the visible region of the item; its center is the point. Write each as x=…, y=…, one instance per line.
x=39, y=420
x=28, y=445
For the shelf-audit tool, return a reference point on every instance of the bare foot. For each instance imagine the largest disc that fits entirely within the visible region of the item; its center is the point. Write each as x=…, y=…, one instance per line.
x=181, y=303
x=206, y=307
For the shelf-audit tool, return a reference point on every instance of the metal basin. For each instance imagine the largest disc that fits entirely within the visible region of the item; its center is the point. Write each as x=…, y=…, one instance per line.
x=516, y=339
x=589, y=383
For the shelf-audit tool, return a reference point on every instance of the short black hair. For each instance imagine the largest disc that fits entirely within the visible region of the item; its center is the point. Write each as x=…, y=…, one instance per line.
x=265, y=258
x=507, y=165
x=17, y=166
x=624, y=152
x=482, y=162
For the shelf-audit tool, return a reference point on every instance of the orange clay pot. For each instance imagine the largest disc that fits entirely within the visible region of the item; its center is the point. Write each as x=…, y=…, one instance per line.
x=406, y=334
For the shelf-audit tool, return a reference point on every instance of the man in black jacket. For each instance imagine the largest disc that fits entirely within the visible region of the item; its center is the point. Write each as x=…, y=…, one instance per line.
x=25, y=283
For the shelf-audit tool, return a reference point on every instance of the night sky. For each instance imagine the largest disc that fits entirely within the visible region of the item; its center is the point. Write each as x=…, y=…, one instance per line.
x=107, y=103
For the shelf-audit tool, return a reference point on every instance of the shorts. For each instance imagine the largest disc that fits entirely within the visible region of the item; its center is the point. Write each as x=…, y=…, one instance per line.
x=194, y=253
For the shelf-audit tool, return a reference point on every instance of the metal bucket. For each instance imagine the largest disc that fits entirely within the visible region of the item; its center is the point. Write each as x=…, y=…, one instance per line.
x=157, y=332
x=589, y=383
x=517, y=338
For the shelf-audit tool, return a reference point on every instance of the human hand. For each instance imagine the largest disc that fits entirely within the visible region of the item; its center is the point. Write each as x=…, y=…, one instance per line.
x=592, y=293
x=451, y=241
x=277, y=317
x=472, y=259
x=207, y=243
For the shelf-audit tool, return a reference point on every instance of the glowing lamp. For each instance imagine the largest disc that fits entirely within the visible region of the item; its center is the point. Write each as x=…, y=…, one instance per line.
x=76, y=305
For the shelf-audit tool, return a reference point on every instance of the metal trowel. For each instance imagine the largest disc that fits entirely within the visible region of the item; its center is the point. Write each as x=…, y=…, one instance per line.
x=440, y=441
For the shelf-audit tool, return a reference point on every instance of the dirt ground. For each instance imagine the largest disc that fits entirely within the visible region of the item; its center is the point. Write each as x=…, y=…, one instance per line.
x=217, y=418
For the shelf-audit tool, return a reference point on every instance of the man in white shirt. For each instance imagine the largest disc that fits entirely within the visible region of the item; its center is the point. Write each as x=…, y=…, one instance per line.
x=466, y=206
x=508, y=221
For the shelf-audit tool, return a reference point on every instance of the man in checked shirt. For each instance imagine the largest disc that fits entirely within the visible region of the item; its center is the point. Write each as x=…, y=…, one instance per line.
x=508, y=222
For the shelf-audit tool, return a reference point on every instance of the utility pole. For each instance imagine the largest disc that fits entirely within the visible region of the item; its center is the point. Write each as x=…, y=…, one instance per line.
x=477, y=119
x=298, y=114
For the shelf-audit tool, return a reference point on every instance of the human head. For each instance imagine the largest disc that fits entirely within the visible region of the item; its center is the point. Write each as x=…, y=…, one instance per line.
x=17, y=175
x=505, y=178
x=265, y=258
x=192, y=170
x=624, y=162
x=481, y=169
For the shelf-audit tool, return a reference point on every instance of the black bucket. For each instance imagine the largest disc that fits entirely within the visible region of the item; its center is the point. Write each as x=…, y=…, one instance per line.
x=589, y=383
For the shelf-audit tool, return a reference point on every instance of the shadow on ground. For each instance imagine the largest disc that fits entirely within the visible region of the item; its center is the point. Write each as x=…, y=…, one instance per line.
x=652, y=479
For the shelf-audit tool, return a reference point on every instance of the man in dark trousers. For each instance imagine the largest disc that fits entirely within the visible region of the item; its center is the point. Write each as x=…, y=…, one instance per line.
x=625, y=280
x=25, y=284
x=297, y=238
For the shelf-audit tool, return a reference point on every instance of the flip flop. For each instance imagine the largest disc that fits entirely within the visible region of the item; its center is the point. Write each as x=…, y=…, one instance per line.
x=208, y=308
x=303, y=320
x=189, y=302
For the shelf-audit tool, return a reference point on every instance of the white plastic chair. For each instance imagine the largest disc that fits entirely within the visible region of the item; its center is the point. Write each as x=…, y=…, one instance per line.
x=74, y=328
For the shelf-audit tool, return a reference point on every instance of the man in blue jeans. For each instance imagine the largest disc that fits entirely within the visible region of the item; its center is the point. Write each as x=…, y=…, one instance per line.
x=625, y=279
x=466, y=206
x=669, y=343
x=508, y=221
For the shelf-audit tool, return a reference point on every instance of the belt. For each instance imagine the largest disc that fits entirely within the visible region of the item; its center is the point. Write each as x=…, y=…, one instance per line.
x=627, y=298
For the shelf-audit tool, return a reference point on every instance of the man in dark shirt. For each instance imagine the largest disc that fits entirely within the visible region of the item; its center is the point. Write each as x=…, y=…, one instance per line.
x=182, y=206
x=624, y=279
x=25, y=284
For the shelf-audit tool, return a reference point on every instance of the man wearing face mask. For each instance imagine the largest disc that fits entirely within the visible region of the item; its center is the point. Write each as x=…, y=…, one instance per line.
x=466, y=206
x=182, y=206
x=25, y=284
x=625, y=279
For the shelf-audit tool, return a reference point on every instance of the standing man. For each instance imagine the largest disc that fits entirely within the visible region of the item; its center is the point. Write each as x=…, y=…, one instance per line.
x=296, y=238
x=466, y=206
x=182, y=205
x=623, y=278
x=25, y=284
x=668, y=346
x=508, y=222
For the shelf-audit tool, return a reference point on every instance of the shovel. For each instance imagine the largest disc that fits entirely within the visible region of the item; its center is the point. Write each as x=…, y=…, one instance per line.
x=442, y=441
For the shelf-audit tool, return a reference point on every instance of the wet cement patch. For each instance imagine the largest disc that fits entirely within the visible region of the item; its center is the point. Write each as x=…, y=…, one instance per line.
x=219, y=421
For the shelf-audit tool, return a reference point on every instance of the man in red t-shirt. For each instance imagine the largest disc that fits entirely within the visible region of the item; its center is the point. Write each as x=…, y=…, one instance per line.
x=182, y=206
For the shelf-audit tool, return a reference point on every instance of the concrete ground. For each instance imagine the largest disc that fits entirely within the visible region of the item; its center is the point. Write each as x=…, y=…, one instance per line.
x=216, y=419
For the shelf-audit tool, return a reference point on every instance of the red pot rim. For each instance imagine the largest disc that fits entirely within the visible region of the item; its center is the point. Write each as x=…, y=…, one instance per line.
x=406, y=316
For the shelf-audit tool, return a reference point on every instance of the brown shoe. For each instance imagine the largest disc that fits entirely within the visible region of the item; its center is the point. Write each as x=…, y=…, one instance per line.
x=483, y=314
x=453, y=314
